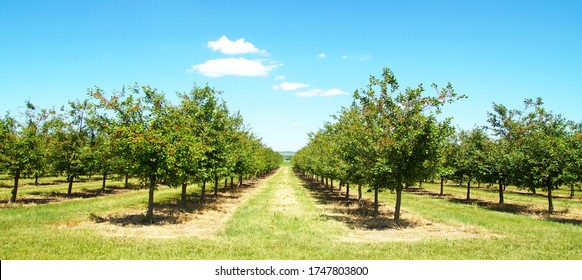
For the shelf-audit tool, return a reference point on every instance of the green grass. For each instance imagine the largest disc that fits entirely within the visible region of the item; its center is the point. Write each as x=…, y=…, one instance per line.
x=281, y=221
x=286, y=163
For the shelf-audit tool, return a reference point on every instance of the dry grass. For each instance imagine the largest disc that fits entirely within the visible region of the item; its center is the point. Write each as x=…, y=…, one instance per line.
x=363, y=226
x=367, y=228
x=175, y=219
x=286, y=200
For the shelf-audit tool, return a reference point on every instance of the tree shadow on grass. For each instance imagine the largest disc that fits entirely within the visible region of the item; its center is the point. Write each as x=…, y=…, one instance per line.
x=177, y=211
x=83, y=193
x=517, y=209
x=422, y=191
x=351, y=212
x=505, y=207
x=40, y=197
x=165, y=213
x=524, y=192
x=576, y=222
x=4, y=203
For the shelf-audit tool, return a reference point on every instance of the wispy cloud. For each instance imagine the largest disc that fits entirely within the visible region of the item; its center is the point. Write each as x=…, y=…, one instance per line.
x=286, y=86
x=234, y=67
x=320, y=92
x=364, y=57
x=240, y=46
x=360, y=57
x=321, y=55
x=281, y=77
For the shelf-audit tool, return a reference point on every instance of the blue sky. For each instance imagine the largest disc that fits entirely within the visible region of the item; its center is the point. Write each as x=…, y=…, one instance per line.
x=288, y=65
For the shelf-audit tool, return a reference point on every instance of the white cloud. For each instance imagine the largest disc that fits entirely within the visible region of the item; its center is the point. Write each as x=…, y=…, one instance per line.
x=345, y=56
x=233, y=67
x=226, y=46
x=286, y=86
x=321, y=55
x=278, y=78
x=364, y=57
x=276, y=87
x=321, y=92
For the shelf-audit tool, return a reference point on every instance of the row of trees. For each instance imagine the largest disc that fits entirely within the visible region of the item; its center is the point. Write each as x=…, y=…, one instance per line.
x=135, y=132
x=530, y=148
x=388, y=139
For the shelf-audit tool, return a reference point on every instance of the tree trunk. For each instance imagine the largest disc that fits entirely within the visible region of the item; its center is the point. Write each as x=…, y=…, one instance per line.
x=215, y=186
x=442, y=186
x=203, y=193
x=340, y=186
x=150, y=213
x=70, y=189
x=15, y=189
x=550, y=202
x=240, y=180
x=231, y=179
x=398, y=202
x=331, y=186
x=326, y=181
x=184, y=186
x=225, y=183
x=322, y=181
x=469, y=189
x=347, y=190
x=501, y=192
x=360, y=194
x=36, y=179
x=104, y=181
x=572, y=191
x=376, y=212
x=127, y=180
x=533, y=190
x=420, y=184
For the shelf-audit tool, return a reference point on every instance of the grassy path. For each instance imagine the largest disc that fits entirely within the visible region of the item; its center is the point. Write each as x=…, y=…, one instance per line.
x=282, y=222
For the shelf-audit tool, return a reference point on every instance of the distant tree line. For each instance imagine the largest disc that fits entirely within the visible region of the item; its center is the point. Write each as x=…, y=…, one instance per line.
x=390, y=139
x=135, y=132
